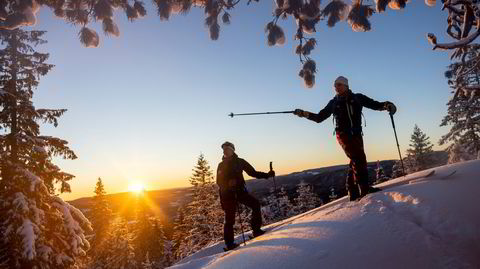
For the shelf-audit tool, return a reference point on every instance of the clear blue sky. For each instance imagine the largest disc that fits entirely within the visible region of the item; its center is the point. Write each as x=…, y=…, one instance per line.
x=143, y=106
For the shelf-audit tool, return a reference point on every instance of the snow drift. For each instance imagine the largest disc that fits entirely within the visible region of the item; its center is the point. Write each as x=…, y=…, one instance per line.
x=432, y=222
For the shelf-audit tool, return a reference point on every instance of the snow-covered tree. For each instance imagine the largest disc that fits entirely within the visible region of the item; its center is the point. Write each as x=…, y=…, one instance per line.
x=168, y=253
x=420, y=151
x=203, y=223
x=463, y=114
x=147, y=264
x=397, y=170
x=100, y=215
x=380, y=174
x=179, y=233
x=148, y=237
x=462, y=18
x=118, y=249
x=333, y=196
x=277, y=206
x=306, y=199
x=39, y=228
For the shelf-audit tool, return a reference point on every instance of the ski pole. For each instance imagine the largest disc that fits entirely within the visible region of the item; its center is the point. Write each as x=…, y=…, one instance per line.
x=398, y=146
x=259, y=113
x=240, y=219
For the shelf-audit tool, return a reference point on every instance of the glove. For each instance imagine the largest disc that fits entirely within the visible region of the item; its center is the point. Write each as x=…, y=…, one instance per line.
x=390, y=107
x=271, y=173
x=301, y=113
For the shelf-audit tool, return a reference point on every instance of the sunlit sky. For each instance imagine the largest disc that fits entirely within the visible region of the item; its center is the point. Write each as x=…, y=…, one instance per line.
x=143, y=106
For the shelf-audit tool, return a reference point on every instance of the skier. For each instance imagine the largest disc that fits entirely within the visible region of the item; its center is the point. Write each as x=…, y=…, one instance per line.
x=346, y=108
x=233, y=191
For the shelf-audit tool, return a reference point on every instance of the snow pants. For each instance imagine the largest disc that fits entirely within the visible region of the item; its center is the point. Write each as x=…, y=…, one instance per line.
x=358, y=173
x=229, y=201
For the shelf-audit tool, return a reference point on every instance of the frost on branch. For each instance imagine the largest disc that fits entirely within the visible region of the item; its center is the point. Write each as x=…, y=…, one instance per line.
x=358, y=17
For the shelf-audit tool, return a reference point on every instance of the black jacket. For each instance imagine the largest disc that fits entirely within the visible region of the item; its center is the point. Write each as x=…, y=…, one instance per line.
x=347, y=111
x=230, y=173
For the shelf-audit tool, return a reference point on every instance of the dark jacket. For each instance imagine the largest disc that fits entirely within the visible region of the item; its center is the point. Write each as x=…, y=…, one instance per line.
x=347, y=111
x=230, y=173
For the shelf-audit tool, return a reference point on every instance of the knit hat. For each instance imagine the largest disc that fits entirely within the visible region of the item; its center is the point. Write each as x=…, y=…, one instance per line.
x=342, y=80
x=228, y=144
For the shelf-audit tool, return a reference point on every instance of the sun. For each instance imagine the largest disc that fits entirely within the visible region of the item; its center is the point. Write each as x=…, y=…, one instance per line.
x=137, y=188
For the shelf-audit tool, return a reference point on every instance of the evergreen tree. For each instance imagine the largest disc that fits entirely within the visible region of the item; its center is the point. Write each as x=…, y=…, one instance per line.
x=333, y=196
x=148, y=237
x=179, y=233
x=39, y=228
x=202, y=225
x=278, y=206
x=419, y=153
x=100, y=214
x=380, y=174
x=168, y=253
x=397, y=170
x=147, y=264
x=306, y=199
x=117, y=250
x=463, y=115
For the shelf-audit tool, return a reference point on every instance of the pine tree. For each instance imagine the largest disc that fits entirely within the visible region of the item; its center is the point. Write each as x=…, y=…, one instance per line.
x=100, y=214
x=179, y=233
x=278, y=206
x=306, y=199
x=202, y=224
x=419, y=153
x=147, y=264
x=333, y=196
x=380, y=174
x=463, y=114
x=397, y=170
x=39, y=228
x=148, y=237
x=168, y=253
x=118, y=250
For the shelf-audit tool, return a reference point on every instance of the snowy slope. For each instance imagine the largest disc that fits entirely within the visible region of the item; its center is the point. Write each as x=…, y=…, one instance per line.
x=430, y=223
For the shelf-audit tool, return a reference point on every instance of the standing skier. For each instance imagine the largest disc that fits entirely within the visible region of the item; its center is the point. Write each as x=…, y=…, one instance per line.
x=233, y=191
x=346, y=108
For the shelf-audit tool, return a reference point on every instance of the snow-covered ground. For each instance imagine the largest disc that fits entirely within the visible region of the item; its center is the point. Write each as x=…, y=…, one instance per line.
x=430, y=223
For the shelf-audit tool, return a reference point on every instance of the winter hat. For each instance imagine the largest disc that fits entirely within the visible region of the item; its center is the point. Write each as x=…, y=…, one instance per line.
x=342, y=80
x=228, y=144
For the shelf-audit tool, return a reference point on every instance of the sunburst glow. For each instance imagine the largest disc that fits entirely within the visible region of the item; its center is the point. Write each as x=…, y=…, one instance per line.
x=136, y=187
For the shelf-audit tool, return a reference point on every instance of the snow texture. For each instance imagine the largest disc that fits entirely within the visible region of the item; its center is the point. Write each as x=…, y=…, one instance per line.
x=431, y=223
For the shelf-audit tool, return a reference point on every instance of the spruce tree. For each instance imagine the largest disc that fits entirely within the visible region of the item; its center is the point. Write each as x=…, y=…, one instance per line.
x=419, y=153
x=100, y=215
x=380, y=174
x=118, y=249
x=148, y=236
x=306, y=199
x=463, y=115
x=202, y=224
x=39, y=228
x=278, y=206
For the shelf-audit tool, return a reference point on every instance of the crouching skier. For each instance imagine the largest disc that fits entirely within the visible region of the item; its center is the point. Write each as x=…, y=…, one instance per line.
x=346, y=108
x=233, y=191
